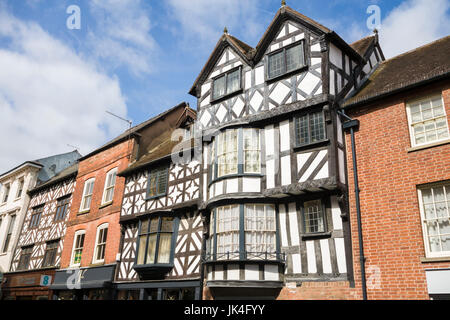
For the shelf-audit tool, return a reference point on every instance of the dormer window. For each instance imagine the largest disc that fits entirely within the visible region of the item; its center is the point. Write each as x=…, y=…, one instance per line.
x=227, y=83
x=285, y=60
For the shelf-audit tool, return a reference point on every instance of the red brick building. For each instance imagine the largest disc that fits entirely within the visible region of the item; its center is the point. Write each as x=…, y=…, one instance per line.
x=403, y=170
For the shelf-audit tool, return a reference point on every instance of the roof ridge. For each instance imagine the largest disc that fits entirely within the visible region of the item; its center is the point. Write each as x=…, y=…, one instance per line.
x=366, y=37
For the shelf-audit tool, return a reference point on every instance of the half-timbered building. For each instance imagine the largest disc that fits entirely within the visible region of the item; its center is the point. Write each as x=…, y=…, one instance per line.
x=162, y=229
x=38, y=251
x=273, y=175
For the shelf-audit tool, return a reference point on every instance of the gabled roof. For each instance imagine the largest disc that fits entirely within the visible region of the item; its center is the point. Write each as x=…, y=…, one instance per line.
x=252, y=55
x=61, y=176
x=363, y=44
x=126, y=134
x=416, y=67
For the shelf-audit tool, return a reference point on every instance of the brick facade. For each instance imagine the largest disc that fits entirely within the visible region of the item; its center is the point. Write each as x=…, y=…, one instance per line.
x=389, y=171
x=97, y=166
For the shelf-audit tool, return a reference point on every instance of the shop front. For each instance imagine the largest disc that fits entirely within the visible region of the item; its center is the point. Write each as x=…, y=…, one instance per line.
x=93, y=283
x=29, y=285
x=159, y=290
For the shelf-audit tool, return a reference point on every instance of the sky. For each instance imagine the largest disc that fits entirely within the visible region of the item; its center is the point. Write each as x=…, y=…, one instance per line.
x=137, y=58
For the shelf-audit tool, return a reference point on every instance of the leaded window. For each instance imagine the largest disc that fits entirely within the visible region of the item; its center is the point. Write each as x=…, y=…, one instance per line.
x=227, y=83
x=313, y=217
x=25, y=258
x=50, y=253
x=260, y=230
x=155, y=240
x=36, y=216
x=427, y=121
x=157, y=183
x=288, y=59
x=435, y=211
x=62, y=206
x=310, y=128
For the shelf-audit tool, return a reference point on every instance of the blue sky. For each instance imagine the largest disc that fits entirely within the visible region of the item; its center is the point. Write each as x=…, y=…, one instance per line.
x=138, y=58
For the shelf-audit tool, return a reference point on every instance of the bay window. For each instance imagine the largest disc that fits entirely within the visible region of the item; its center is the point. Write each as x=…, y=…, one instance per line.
x=227, y=231
x=260, y=230
x=236, y=151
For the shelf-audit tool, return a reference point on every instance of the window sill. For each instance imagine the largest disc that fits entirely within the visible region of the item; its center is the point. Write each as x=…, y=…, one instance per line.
x=155, y=197
x=311, y=145
x=105, y=205
x=235, y=175
x=225, y=97
x=436, y=259
x=97, y=263
x=430, y=145
x=84, y=212
x=17, y=199
x=287, y=74
x=316, y=235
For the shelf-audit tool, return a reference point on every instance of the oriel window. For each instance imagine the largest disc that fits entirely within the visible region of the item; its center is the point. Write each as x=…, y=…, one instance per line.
x=155, y=240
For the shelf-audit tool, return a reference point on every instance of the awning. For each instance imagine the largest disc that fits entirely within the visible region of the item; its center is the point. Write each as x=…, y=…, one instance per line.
x=438, y=281
x=83, y=278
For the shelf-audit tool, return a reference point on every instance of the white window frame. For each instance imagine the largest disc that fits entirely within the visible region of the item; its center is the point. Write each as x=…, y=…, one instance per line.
x=72, y=256
x=428, y=252
x=97, y=243
x=6, y=194
x=20, y=181
x=106, y=187
x=410, y=124
x=83, y=200
x=227, y=229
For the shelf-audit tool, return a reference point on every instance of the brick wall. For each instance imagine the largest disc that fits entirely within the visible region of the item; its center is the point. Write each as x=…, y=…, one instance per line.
x=388, y=177
x=97, y=166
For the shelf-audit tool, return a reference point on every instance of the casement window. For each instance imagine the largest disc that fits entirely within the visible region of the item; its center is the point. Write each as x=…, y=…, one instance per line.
x=9, y=233
x=110, y=182
x=427, y=121
x=157, y=181
x=309, y=128
x=226, y=84
x=6, y=190
x=227, y=232
x=87, y=195
x=260, y=229
x=25, y=257
x=434, y=205
x=62, y=206
x=51, y=251
x=285, y=60
x=227, y=145
x=77, y=250
x=155, y=240
x=314, y=217
x=20, y=188
x=36, y=216
x=100, y=245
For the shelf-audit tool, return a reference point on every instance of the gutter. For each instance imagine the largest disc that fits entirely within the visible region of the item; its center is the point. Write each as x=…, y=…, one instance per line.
x=353, y=124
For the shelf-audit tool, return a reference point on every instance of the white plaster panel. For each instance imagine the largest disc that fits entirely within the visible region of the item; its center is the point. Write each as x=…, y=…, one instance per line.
x=269, y=140
x=326, y=259
x=315, y=47
x=311, y=256
x=270, y=174
x=284, y=136
x=279, y=93
x=336, y=214
x=341, y=166
x=232, y=185
x=271, y=272
x=309, y=83
x=296, y=263
x=251, y=184
x=335, y=56
x=251, y=272
x=259, y=75
x=219, y=272
x=285, y=170
x=218, y=188
x=340, y=254
x=248, y=80
x=233, y=272
x=283, y=231
x=293, y=224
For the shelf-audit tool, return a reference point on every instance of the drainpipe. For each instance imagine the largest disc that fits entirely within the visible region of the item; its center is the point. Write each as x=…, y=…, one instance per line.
x=353, y=124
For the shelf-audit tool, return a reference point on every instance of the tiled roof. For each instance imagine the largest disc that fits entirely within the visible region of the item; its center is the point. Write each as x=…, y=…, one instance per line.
x=363, y=44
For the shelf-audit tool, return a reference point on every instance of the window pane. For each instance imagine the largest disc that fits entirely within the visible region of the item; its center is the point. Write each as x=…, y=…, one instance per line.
x=151, y=249
x=219, y=87
x=276, y=64
x=314, y=217
x=302, y=130
x=294, y=58
x=317, y=127
x=233, y=81
x=164, y=248
x=166, y=224
x=141, y=254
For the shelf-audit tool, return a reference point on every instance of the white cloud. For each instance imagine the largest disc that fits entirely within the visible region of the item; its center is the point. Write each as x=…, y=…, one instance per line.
x=412, y=24
x=122, y=35
x=49, y=96
x=203, y=20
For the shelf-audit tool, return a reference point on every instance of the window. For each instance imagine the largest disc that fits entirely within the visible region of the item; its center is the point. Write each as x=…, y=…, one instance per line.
x=36, y=216
x=20, y=188
x=50, y=253
x=155, y=240
x=99, y=254
x=110, y=182
x=310, y=128
x=260, y=229
x=157, y=184
x=427, y=121
x=313, y=217
x=25, y=257
x=61, y=208
x=227, y=232
x=6, y=189
x=227, y=152
x=226, y=84
x=288, y=59
x=77, y=248
x=229, y=142
x=435, y=213
x=9, y=234
x=87, y=195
